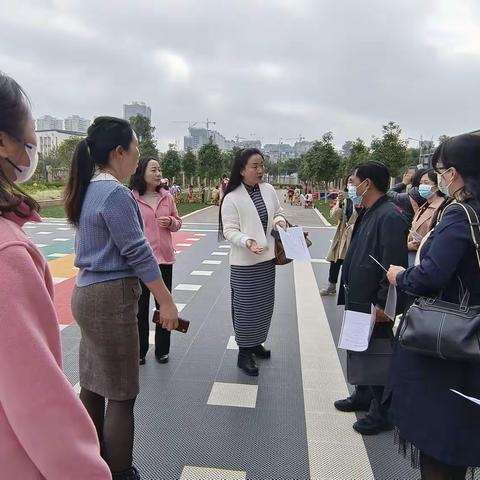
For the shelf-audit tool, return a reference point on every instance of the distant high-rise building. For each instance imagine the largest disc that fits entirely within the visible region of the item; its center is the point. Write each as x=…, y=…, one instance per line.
x=136, y=108
x=48, y=122
x=302, y=147
x=48, y=140
x=77, y=124
x=249, y=144
x=201, y=136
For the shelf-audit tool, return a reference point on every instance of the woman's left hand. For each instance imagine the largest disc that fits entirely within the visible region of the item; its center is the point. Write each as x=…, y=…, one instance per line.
x=281, y=224
x=392, y=273
x=164, y=222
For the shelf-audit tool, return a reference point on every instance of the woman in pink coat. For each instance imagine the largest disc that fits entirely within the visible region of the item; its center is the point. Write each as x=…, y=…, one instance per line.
x=45, y=433
x=160, y=219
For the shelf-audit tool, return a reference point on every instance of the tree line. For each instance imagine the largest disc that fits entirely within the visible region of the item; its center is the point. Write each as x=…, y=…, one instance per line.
x=322, y=163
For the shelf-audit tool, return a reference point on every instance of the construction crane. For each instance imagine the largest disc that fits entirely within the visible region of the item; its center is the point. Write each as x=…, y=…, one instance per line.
x=300, y=138
x=238, y=137
x=192, y=123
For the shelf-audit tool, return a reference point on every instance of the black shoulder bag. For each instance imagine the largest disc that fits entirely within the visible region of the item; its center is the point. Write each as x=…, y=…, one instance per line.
x=442, y=329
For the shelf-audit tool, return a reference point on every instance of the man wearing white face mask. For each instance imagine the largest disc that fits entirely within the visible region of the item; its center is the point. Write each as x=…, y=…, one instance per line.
x=380, y=231
x=31, y=377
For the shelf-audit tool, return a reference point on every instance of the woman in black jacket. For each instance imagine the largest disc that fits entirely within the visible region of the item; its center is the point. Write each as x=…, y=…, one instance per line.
x=440, y=426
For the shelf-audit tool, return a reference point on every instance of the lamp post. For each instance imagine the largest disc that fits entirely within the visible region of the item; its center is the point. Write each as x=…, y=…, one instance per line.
x=420, y=146
x=278, y=159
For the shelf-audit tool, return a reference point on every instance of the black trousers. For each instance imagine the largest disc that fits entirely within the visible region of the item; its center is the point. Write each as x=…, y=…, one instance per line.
x=162, y=336
x=334, y=271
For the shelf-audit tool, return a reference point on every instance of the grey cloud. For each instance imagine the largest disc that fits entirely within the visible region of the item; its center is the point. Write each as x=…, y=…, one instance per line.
x=276, y=68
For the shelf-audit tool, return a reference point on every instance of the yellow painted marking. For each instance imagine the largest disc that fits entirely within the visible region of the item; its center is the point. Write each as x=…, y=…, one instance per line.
x=63, y=267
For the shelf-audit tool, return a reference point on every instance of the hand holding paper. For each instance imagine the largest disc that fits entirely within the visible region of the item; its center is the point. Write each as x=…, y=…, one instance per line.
x=294, y=244
x=356, y=330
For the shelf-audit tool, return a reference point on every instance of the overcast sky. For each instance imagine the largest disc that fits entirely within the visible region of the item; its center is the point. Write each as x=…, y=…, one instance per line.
x=274, y=68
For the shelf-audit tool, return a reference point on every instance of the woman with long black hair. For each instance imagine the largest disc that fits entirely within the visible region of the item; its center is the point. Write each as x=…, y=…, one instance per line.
x=250, y=209
x=111, y=254
x=439, y=426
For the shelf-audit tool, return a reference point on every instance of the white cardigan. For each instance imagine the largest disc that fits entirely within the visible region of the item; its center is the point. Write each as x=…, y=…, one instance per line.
x=241, y=223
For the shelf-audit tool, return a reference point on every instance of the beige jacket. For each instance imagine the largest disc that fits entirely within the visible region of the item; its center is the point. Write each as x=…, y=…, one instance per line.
x=343, y=235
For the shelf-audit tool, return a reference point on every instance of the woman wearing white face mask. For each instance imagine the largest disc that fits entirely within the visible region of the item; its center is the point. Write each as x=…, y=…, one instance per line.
x=39, y=411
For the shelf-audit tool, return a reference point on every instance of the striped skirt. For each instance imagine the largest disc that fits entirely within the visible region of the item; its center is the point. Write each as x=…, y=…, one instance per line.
x=253, y=298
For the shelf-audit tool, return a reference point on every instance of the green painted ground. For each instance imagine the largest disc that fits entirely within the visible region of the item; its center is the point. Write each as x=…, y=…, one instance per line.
x=59, y=212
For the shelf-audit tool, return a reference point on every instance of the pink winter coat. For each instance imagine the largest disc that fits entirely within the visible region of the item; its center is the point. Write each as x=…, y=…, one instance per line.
x=160, y=238
x=45, y=433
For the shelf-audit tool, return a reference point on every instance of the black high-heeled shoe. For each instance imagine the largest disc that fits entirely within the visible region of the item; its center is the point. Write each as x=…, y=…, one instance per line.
x=247, y=363
x=130, y=474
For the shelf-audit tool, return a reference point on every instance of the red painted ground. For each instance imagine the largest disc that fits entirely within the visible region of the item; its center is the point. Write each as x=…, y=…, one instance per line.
x=63, y=290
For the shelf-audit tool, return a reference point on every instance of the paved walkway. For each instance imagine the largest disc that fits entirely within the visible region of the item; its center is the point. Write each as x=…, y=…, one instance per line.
x=200, y=417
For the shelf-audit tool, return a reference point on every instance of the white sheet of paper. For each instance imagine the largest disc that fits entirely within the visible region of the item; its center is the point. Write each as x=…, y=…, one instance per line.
x=472, y=399
x=294, y=244
x=356, y=330
x=391, y=303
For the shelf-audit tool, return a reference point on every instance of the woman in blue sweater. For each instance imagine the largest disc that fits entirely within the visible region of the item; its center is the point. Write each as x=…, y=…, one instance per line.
x=111, y=254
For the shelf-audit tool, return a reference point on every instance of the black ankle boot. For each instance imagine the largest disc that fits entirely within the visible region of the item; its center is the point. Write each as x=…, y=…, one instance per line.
x=246, y=362
x=261, y=352
x=129, y=474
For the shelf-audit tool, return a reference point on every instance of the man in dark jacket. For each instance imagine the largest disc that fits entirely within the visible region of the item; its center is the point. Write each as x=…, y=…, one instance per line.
x=381, y=231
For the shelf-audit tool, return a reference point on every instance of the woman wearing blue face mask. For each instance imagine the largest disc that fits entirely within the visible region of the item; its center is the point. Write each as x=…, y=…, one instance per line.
x=422, y=221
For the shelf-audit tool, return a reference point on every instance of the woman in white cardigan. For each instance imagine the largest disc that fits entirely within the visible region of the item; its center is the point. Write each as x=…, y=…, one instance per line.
x=249, y=211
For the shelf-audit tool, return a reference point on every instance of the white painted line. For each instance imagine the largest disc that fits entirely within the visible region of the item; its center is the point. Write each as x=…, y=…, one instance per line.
x=201, y=234
x=190, y=472
x=44, y=233
x=40, y=245
x=61, y=239
x=59, y=279
x=183, y=244
x=212, y=262
x=54, y=221
x=232, y=344
x=59, y=255
x=77, y=388
x=322, y=218
x=199, y=223
x=64, y=229
x=188, y=287
x=151, y=337
x=225, y=246
x=201, y=273
x=63, y=327
x=220, y=254
x=29, y=226
x=319, y=260
x=193, y=239
x=322, y=386
x=180, y=306
x=233, y=395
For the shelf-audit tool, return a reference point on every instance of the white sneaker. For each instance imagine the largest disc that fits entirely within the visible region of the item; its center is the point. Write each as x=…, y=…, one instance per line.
x=330, y=290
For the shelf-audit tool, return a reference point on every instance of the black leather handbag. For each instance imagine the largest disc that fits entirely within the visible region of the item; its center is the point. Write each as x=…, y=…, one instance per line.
x=441, y=329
